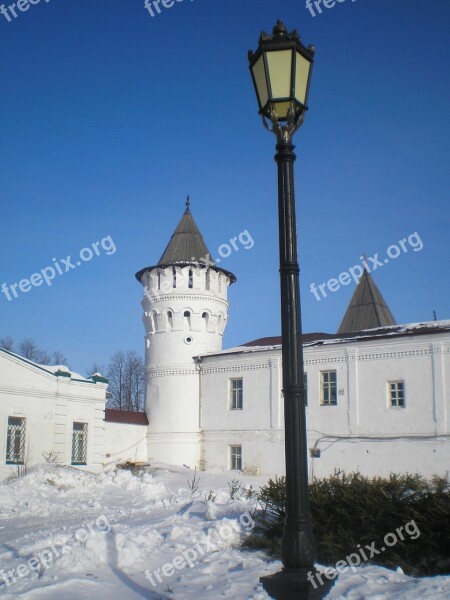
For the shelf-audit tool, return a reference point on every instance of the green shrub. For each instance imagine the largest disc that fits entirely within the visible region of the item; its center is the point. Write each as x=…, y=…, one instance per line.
x=348, y=510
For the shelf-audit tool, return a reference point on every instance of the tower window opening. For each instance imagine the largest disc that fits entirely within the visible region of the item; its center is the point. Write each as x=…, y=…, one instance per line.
x=174, y=277
x=159, y=280
x=205, y=317
x=187, y=319
x=170, y=318
x=191, y=279
x=187, y=314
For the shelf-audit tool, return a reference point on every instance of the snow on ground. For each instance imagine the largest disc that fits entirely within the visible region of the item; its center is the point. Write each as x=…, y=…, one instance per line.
x=67, y=533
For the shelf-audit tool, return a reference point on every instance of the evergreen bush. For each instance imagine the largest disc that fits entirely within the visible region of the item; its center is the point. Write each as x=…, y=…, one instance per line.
x=348, y=510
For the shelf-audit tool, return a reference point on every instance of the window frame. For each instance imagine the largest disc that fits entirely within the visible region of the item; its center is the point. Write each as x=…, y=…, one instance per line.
x=394, y=395
x=328, y=386
x=305, y=386
x=235, y=457
x=235, y=400
x=84, y=442
x=19, y=458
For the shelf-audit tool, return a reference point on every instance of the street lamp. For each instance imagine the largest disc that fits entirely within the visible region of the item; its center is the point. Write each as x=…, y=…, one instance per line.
x=281, y=71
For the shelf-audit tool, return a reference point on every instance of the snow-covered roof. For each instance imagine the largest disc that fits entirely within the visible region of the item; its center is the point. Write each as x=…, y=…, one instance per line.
x=322, y=339
x=58, y=370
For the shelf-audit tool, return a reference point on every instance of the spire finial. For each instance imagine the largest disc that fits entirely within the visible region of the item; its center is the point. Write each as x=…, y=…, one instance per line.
x=363, y=258
x=188, y=201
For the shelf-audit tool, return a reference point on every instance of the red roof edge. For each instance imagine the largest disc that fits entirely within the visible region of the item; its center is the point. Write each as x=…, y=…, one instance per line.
x=113, y=415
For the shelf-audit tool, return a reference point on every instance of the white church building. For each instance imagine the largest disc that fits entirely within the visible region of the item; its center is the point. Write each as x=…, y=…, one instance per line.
x=378, y=393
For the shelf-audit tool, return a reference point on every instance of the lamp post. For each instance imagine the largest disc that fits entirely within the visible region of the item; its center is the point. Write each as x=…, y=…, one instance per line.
x=281, y=71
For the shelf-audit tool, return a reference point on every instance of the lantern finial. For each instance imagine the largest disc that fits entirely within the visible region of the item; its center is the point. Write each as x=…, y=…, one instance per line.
x=280, y=29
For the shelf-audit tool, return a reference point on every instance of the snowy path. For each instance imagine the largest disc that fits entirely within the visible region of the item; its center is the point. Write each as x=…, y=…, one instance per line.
x=145, y=537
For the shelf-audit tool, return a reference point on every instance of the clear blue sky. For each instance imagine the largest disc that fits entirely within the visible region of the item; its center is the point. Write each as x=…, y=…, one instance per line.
x=110, y=117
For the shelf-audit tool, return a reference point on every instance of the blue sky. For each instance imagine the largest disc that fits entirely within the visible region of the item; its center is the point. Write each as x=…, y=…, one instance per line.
x=111, y=117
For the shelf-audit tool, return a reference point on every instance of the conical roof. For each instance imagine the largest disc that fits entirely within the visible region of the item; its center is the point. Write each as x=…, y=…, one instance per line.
x=367, y=308
x=186, y=247
x=186, y=244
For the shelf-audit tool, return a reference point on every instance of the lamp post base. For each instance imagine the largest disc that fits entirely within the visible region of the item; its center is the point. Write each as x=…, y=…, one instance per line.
x=297, y=585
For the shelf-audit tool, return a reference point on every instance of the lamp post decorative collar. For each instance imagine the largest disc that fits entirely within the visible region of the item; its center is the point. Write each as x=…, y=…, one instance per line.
x=281, y=72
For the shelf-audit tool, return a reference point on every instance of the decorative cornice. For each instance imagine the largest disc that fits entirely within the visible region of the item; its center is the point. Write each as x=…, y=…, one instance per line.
x=152, y=373
x=188, y=297
x=235, y=368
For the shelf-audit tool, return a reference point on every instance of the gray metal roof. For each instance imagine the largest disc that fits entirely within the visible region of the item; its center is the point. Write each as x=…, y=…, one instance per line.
x=186, y=244
x=367, y=308
x=186, y=247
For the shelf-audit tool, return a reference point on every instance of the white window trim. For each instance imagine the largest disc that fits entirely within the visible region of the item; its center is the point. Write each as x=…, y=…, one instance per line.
x=231, y=393
x=230, y=457
x=389, y=394
x=23, y=449
x=85, y=432
x=322, y=388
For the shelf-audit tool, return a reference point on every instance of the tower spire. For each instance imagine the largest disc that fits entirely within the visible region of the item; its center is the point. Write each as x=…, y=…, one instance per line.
x=367, y=308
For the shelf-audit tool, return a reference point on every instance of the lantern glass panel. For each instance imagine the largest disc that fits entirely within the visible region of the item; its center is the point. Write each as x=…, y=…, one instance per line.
x=281, y=108
x=279, y=63
x=302, y=66
x=260, y=80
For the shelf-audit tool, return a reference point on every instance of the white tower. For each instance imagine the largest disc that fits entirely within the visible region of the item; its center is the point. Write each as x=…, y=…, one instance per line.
x=185, y=314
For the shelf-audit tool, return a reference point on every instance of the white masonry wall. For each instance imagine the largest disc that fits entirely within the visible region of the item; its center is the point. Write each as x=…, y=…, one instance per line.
x=50, y=404
x=125, y=442
x=362, y=432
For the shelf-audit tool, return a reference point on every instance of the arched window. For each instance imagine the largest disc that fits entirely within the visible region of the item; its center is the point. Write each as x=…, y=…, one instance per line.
x=174, y=277
x=153, y=321
x=205, y=317
x=191, y=279
x=187, y=319
x=170, y=319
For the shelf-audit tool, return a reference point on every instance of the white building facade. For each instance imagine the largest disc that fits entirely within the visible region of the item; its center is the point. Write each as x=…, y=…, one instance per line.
x=376, y=403
x=378, y=394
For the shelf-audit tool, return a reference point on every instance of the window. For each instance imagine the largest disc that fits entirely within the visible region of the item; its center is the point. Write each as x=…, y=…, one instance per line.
x=205, y=317
x=397, y=393
x=191, y=279
x=79, y=443
x=305, y=387
x=236, y=394
x=174, y=277
x=328, y=388
x=15, y=441
x=236, y=458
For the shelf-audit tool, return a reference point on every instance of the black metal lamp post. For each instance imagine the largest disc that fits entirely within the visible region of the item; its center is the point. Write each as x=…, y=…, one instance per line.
x=281, y=71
